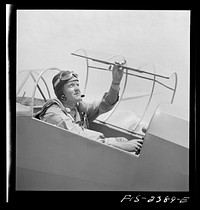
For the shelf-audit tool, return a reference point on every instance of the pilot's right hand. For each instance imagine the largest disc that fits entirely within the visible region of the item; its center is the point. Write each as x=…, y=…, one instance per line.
x=117, y=72
x=133, y=145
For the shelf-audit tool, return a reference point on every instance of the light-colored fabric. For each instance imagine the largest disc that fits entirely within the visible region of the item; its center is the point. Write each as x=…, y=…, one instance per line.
x=22, y=110
x=56, y=116
x=76, y=120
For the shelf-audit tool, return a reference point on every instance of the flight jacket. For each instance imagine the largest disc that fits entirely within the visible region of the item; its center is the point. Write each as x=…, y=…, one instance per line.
x=77, y=120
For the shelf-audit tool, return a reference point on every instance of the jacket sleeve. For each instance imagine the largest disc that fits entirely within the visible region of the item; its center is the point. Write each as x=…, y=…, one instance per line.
x=108, y=101
x=55, y=116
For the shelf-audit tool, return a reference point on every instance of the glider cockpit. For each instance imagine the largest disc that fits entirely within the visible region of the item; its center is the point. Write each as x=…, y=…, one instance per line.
x=146, y=98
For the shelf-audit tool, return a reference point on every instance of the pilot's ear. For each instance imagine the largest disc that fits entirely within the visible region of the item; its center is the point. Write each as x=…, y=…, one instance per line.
x=63, y=97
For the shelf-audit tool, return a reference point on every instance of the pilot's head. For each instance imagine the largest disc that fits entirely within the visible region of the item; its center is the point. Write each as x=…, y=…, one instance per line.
x=66, y=86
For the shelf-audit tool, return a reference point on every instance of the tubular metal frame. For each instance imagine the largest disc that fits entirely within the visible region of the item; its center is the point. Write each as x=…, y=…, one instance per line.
x=30, y=73
x=36, y=85
x=125, y=83
x=127, y=69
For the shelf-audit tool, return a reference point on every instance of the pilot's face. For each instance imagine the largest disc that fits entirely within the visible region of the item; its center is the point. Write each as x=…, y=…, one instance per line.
x=72, y=91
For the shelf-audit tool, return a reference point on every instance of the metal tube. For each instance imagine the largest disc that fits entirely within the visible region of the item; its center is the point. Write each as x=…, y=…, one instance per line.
x=38, y=87
x=175, y=86
x=44, y=83
x=94, y=67
x=126, y=67
x=22, y=84
x=34, y=90
x=131, y=132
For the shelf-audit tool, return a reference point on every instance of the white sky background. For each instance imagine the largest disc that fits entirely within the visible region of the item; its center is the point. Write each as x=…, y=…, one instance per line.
x=46, y=38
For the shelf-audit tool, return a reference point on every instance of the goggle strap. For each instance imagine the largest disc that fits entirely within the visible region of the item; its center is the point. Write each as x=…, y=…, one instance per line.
x=56, y=82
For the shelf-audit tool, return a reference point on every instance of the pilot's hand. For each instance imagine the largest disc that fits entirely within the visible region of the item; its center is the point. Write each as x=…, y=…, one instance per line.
x=127, y=145
x=117, y=72
x=132, y=145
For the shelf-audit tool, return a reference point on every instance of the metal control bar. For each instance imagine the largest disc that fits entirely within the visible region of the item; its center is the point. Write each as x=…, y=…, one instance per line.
x=126, y=67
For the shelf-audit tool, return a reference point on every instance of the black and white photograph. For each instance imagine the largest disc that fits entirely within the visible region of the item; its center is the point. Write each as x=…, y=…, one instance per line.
x=103, y=101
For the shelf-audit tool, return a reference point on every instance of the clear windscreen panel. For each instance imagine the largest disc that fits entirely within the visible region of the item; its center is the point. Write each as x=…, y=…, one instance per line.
x=26, y=84
x=165, y=90
x=143, y=87
x=135, y=99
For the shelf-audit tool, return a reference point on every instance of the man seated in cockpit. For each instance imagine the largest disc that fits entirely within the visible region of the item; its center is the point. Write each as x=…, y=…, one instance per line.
x=70, y=112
